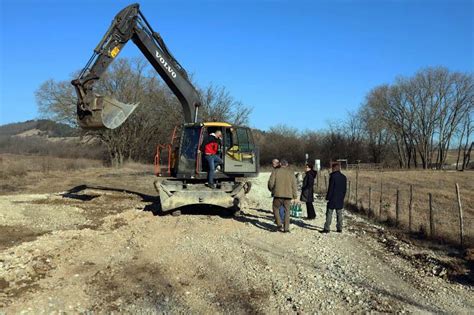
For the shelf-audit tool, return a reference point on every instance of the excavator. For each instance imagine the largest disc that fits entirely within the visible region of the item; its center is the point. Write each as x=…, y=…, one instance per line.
x=180, y=163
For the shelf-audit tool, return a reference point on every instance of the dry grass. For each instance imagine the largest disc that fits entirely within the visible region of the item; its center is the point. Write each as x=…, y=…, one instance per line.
x=12, y=165
x=38, y=173
x=43, y=174
x=441, y=184
x=16, y=171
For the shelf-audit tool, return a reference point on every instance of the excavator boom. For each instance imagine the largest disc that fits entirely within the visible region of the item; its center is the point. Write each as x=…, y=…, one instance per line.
x=96, y=111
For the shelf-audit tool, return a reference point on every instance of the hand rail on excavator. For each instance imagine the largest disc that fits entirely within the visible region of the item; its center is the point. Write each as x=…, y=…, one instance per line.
x=96, y=111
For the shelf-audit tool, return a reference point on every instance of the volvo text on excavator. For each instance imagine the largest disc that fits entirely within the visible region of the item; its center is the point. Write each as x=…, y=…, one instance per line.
x=180, y=163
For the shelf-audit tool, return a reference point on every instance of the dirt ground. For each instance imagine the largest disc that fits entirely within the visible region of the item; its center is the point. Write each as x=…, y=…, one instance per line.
x=92, y=240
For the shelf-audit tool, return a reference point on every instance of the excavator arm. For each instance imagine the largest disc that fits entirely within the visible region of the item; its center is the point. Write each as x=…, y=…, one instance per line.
x=96, y=111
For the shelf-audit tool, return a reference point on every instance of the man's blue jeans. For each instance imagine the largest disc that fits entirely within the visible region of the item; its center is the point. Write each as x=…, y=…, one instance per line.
x=212, y=161
x=339, y=219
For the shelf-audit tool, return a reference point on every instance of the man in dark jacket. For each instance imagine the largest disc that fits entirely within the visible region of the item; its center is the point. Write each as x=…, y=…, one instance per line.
x=335, y=197
x=307, y=191
x=210, y=148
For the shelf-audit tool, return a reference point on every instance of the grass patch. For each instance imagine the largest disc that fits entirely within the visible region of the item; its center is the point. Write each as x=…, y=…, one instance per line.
x=441, y=184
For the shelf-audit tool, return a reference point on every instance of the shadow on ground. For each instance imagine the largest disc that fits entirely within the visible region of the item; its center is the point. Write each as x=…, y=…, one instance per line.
x=154, y=206
x=258, y=221
x=74, y=193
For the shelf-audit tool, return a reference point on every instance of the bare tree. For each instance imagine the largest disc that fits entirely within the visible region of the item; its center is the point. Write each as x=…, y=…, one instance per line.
x=219, y=105
x=465, y=143
x=56, y=101
x=401, y=119
x=423, y=102
x=281, y=141
x=376, y=130
x=386, y=116
x=132, y=81
x=422, y=112
x=456, y=104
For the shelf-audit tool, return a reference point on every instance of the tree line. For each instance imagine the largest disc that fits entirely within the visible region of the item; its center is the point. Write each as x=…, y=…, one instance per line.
x=410, y=123
x=422, y=116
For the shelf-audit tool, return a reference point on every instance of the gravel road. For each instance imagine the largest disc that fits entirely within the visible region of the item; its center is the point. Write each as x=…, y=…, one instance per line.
x=106, y=250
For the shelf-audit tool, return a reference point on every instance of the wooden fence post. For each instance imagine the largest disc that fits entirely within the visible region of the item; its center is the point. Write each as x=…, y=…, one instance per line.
x=370, y=198
x=461, y=221
x=397, y=208
x=317, y=180
x=349, y=192
x=381, y=197
x=357, y=187
x=432, y=226
x=410, y=209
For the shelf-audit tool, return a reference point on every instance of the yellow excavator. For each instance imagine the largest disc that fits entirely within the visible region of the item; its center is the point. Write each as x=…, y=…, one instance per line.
x=180, y=163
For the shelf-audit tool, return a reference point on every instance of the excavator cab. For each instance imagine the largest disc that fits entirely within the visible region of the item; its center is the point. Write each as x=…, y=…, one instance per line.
x=182, y=158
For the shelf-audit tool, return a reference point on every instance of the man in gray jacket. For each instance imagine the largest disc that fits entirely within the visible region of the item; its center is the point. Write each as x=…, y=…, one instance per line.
x=282, y=184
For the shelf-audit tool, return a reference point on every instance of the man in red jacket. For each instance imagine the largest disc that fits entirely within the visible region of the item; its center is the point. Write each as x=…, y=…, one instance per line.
x=210, y=148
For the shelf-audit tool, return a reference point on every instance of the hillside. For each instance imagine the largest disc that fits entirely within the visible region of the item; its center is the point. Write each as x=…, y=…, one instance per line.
x=47, y=138
x=40, y=127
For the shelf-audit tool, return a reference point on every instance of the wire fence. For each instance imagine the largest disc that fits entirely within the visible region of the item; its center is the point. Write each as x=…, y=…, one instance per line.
x=429, y=204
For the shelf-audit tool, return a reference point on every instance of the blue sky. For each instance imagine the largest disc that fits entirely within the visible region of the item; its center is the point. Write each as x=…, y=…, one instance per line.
x=302, y=63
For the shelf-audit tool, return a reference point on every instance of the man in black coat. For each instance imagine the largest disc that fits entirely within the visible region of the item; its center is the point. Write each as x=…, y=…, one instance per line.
x=335, y=197
x=307, y=191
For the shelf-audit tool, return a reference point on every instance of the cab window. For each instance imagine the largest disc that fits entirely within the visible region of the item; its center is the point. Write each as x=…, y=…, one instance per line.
x=244, y=140
x=190, y=143
x=228, y=138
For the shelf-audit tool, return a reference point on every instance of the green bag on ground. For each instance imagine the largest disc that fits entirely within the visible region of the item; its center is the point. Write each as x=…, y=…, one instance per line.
x=295, y=210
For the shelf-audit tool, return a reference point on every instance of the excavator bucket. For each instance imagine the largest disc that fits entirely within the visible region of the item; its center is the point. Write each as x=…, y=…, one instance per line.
x=106, y=112
x=114, y=113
